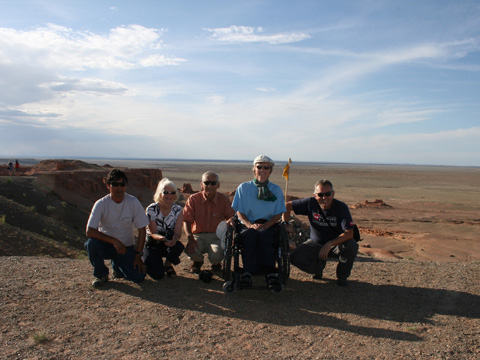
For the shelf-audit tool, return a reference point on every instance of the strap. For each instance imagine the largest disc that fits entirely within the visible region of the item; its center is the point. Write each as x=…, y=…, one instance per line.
x=328, y=222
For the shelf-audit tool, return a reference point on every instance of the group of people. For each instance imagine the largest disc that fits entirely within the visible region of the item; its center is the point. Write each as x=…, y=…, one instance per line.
x=13, y=169
x=259, y=206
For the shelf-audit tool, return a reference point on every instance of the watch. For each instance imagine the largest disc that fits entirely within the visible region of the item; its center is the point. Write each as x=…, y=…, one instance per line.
x=139, y=253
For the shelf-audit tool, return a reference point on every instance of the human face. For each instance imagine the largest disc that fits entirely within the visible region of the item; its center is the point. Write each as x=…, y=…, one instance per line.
x=117, y=189
x=169, y=195
x=262, y=171
x=324, y=201
x=209, y=189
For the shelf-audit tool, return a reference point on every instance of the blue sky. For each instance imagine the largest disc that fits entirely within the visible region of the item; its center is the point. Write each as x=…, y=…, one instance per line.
x=328, y=81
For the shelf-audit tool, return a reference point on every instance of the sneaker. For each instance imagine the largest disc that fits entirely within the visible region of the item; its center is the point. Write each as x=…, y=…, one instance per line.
x=118, y=275
x=246, y=280
x=196, y=267
x=217, y=267
x=342, y=282
x=100, y=281
x=273, y=281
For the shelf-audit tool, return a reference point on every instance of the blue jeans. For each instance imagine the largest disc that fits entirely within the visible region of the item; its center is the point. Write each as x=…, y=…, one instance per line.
x=98, y=251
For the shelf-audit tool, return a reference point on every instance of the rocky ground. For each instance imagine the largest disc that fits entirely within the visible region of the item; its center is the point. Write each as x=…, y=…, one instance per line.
x=391, y=309
x=414, y=292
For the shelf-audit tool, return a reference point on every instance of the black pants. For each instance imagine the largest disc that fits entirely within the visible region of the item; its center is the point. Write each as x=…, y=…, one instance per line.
x=305, y=257
x=258, y=249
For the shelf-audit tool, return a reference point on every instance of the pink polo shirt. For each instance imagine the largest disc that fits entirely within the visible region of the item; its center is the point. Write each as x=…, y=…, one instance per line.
x=205, y=215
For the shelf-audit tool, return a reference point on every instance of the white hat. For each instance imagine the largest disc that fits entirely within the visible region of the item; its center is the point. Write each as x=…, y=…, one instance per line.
x=222, y=232
x=263, y=158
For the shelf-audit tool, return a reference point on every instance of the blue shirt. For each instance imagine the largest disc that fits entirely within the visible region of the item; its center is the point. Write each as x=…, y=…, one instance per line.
x=246, y=202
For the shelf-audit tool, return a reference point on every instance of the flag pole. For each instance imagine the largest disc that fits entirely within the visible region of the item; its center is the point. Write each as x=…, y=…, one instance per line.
x=285, y=174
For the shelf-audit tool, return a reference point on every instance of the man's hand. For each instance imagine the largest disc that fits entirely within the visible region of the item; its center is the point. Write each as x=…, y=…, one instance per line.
x=192, y=245
x=138, y=262
x=121, y=249
x=323, y=254
x=289, y=228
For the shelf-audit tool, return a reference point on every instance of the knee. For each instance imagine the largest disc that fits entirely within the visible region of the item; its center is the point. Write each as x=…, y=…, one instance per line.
x=155, y=276
x=351, y=247
x=92, y=244
x=139, y=278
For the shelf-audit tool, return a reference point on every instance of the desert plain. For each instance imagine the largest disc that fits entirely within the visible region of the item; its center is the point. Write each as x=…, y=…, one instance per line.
x=414, y=292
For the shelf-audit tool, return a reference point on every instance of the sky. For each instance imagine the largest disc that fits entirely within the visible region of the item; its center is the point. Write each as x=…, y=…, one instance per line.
x=394, y=82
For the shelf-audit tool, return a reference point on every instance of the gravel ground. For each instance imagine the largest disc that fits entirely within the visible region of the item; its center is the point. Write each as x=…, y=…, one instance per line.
x=391, y=309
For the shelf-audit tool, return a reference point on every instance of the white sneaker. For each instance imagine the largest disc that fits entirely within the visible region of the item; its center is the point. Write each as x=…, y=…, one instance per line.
x=100, y=281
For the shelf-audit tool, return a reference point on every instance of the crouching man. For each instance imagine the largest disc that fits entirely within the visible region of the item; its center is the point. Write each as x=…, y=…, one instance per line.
x=110, y=233
x=331, y=233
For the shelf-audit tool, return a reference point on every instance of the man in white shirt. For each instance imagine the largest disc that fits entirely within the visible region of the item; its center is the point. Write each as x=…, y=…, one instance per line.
x=110, y=232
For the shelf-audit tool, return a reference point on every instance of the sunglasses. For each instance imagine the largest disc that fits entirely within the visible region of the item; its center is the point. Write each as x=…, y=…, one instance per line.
x=266, y=167
x=115, y=184
x=326, y=194
x=166, y=192
x=213, y=183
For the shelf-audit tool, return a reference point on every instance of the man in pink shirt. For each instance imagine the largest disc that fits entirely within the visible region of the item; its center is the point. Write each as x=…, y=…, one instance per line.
x=202, y=213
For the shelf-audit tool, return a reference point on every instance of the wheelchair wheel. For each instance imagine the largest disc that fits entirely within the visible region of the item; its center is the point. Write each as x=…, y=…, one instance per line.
x=277, y=290
x=227, y=260
x=228, y=287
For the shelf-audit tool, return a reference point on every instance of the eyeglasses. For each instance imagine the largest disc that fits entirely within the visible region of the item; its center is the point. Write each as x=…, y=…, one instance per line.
x=266, y=167
x=115, y=184
x=326, y=194
x=213, y=183
x=166, y=192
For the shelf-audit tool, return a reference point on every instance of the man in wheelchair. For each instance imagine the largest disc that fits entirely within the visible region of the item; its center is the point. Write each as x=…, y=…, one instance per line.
x=259, y=205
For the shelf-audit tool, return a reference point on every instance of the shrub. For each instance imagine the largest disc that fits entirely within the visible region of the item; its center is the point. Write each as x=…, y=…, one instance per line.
x=40, y=337
x=50, y=209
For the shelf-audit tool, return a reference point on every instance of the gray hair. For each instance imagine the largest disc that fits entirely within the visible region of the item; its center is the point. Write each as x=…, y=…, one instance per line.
x=161, y=186
x=210, y=173
x=323, y=182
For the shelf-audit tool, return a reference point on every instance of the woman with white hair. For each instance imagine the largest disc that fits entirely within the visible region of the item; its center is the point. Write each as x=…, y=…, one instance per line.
x=259, y=205
x=163, y=231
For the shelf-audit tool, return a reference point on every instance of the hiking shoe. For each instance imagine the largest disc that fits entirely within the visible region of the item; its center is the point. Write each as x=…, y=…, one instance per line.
x=342, y=282
x=98, y=282
x=170, y=271
x=273, y=282
x=246, y=280
x=217, y=267
x=196, y=267
x=118, y=275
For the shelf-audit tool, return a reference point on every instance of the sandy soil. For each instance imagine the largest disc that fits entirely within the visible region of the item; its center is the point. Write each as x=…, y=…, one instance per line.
x=392, y=309
x=414, y=292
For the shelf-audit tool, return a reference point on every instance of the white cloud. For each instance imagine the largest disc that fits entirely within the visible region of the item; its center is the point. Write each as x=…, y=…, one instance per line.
x=247, y=34
x=405, y=116
x=58, y=47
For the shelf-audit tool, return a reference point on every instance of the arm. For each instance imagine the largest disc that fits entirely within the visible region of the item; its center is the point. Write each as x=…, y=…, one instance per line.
x=177, y=231
x=138, y=262
x=94, y=233
x=192, y=244
x=243, y=218
x=152, y=226
x=343, y=237
x=286, y=215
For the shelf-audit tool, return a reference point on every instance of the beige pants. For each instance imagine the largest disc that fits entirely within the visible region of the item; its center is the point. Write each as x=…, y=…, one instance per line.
x=208, y=243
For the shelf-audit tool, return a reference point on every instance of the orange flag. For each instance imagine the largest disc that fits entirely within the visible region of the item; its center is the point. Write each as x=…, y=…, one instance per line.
x=286, y=170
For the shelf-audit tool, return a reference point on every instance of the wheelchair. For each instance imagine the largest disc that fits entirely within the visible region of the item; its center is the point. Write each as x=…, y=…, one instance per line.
x=232, y=271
